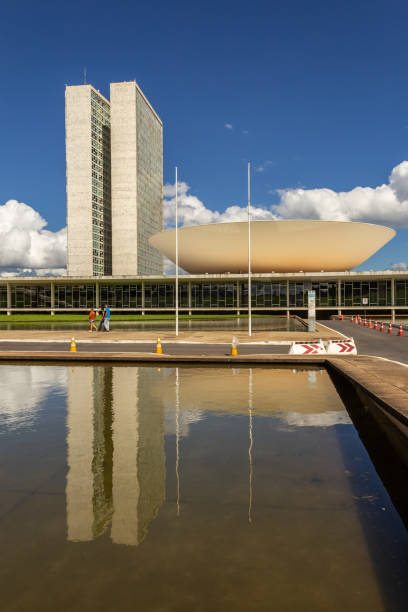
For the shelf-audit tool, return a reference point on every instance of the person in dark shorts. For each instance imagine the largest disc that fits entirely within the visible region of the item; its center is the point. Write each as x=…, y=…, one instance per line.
x=91, y=319
x=100, y=326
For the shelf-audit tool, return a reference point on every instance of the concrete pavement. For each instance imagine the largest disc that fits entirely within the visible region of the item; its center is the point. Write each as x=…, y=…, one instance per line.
x=371, y=342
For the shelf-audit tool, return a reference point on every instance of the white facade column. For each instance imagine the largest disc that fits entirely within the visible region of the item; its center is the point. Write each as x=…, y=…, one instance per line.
x=189, y=298
x=52, y=297
x=8, y=298
x=393, y=300
x=97, y=296
x=287, y=298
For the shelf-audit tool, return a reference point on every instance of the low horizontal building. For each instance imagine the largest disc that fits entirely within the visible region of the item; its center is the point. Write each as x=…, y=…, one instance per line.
x=382, y=292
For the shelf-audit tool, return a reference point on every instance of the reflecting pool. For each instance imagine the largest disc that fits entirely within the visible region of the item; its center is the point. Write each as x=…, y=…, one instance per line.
x=154, y=489
x=228, y=324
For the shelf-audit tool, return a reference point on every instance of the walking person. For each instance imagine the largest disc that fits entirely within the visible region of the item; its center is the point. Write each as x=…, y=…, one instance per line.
x=106, y=311
x=100, y=326
x=91, y=319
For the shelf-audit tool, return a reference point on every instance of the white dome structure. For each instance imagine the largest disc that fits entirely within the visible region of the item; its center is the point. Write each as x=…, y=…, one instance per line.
x=276, y=246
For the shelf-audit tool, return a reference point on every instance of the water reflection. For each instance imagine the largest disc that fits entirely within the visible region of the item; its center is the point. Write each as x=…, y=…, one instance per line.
x=117, y=420
x=115, y=454
x=230, y=324
x=23, y=390
x=194, y=488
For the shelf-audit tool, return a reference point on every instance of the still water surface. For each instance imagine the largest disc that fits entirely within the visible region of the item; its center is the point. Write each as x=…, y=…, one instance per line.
x=230, y=324
x=155, y=489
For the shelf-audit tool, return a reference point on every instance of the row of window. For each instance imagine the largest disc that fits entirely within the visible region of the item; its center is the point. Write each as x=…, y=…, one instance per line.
x=266, y=294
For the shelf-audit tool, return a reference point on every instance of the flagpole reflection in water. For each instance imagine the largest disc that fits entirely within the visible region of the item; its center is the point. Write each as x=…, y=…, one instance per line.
x=178, y=439
x=251, y=442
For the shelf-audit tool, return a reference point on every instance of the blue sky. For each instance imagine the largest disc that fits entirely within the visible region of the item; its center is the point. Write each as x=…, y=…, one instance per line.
x=316, y=94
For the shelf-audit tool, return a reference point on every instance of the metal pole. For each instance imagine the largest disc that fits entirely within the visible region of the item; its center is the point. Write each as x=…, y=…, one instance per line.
x=249, y=254
x=251, y=443
x=178, y=440
x=177, y=266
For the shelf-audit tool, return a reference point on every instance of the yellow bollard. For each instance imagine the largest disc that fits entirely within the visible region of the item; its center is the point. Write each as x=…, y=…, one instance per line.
x=72, y=348
x=159, y=349
x=234, y=350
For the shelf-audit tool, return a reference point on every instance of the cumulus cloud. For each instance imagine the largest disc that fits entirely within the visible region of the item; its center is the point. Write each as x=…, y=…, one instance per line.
x=26, y=247
x=385, y=204
x=398, y=266
x=192, y=211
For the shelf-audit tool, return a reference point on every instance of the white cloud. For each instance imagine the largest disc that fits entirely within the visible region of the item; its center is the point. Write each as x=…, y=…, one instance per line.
x=324, y=419
x=192, y=211
x=25, y=246
x=398, y=266
x=228, y=126
x=386, y=204
x=24, y=388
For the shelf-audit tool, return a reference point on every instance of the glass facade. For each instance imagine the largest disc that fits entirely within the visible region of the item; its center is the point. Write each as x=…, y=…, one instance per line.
x=101, y=187
x=366, y=293
x=30, y=296
x=121, y=296
x=263, y=294
x=75, y=296
x=401, y=292
x=149, y=186
x=3, y=296
x=211, y=294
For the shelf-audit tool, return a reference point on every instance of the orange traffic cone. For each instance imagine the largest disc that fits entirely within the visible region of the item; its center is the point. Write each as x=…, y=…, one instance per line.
x=382, y=326
x=365, y=322
x=375, y=325
x=352, y=319
x=390, y=328
x=400, y=333
x=370, y=324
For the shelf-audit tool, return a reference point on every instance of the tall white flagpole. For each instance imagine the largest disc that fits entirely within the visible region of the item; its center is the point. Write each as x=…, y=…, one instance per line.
x=249, y=254
x=177, y=261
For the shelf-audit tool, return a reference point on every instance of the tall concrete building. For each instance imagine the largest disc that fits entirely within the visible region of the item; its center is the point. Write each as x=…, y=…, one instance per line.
x=137, y=181
x=110, y=221
x=88, y=152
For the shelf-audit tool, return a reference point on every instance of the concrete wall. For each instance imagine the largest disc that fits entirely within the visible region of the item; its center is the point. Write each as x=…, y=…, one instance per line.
x=124, y=178
x=137, y=181
x=79, y=179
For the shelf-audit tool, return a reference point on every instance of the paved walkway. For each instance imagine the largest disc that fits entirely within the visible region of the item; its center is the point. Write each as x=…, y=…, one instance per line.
x=371, y=342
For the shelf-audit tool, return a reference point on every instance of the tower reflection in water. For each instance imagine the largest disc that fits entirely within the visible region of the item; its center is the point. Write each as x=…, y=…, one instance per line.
x=116, y=454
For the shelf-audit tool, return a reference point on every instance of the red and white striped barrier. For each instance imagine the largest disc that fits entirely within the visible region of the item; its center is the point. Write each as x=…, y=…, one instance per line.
x=342, y=347
x=307, y=348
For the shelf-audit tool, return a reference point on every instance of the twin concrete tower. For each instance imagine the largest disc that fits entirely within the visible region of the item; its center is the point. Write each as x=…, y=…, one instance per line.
x=114, y=156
